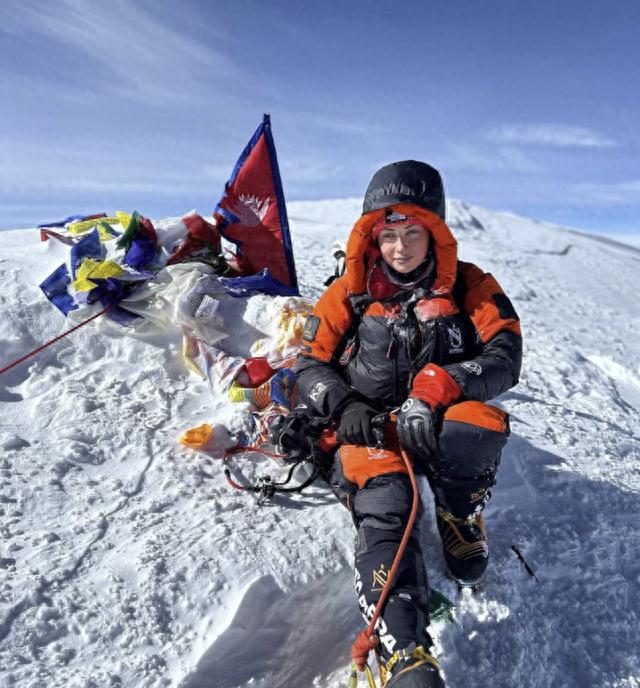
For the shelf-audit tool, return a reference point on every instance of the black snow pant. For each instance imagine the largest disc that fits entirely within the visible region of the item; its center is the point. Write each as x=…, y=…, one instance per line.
x=375, y=487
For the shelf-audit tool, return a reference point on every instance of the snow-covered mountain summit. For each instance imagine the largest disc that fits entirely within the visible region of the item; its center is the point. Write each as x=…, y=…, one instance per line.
x=126, y=560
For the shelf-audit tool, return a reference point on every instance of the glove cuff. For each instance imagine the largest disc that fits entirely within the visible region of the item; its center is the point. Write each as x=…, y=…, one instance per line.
x=435, y=386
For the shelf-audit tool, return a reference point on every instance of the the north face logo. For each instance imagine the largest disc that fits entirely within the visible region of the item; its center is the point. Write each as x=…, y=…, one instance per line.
x=396, y=217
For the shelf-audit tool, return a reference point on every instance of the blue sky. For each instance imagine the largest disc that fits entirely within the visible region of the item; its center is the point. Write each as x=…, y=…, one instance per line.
x=527, y=107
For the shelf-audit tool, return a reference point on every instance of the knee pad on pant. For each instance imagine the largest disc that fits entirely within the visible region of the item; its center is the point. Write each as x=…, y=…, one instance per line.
x=470, y=447
x=471, y=440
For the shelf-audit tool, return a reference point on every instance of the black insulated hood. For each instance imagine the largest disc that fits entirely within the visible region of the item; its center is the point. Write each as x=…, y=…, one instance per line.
x=408, y=181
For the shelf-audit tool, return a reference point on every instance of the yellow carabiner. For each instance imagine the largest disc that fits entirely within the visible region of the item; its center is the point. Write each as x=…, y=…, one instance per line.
x=353, y=679
x=369, y=672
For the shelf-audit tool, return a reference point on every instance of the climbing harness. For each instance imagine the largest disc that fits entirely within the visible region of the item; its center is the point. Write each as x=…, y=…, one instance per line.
x=299, y=439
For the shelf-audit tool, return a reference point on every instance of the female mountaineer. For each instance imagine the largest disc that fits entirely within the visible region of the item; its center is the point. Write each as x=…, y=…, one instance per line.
x=411, y=330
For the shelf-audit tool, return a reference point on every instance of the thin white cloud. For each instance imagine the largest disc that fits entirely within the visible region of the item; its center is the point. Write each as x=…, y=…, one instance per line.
x=483, y=158
x=621, y=193
x=140, y=54
x=216, y=171
x=56, y=170
x=557, y=135
x=346, y=127
x=631, y=237
x=297, y=171
x=37, y=169
x=152, y=187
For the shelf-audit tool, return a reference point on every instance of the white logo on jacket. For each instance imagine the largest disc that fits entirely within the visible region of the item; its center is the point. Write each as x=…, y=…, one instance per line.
x=455, y=338
x=472, y=367
x=317, y=390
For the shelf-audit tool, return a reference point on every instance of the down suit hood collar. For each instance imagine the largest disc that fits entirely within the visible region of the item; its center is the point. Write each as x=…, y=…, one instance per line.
x=363, y=252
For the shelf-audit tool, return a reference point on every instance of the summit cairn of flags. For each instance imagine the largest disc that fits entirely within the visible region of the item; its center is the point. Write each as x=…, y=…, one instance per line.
x=110, y=257
x=134, y=277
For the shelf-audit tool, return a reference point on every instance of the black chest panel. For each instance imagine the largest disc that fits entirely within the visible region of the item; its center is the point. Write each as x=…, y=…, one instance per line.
x=456, y=339
x=386, y=351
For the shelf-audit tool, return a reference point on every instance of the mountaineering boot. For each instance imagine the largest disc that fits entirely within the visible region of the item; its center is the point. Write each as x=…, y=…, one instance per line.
x=464, y=545
x=412, y=667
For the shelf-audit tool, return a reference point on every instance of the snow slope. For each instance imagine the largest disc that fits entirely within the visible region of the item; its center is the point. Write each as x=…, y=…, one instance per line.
x=126, y=560
x=630, y=238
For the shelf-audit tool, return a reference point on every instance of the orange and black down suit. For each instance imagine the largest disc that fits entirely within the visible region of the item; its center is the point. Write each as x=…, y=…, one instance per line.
x=367, y=339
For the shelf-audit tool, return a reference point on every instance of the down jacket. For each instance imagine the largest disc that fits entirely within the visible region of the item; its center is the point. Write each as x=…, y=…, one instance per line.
x=367, y=338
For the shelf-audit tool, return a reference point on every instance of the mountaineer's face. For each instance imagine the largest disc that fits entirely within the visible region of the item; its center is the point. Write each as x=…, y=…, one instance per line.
x=403, y=245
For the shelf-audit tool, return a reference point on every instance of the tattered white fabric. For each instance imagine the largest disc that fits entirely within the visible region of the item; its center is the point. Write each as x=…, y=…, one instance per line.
x=174, y=297
x=282, y=319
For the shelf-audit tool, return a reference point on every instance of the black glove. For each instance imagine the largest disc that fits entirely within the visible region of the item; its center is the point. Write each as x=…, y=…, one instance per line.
x=417, y=427
x=355, y=424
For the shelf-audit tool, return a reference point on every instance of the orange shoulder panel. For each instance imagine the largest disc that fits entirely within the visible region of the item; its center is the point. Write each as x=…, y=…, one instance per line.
x=328, y=322
x=483, y=300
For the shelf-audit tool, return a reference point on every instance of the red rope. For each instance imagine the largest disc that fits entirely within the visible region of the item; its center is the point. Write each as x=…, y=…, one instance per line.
x=52, y=341
x=367, y=640
x=251, y=448
x=241, y=450
x=233, y=483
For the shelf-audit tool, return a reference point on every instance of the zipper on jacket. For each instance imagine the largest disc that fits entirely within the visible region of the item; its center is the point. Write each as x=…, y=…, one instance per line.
x=391, y=350
x=395, y=380
x=437, y=329
x=392, y=344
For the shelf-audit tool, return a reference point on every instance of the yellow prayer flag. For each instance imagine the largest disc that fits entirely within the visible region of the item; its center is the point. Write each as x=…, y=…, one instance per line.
x=94, y=268
x=84, y=226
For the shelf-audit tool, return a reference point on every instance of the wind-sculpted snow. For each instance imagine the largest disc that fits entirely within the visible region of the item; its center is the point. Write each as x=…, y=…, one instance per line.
x=126, y=560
